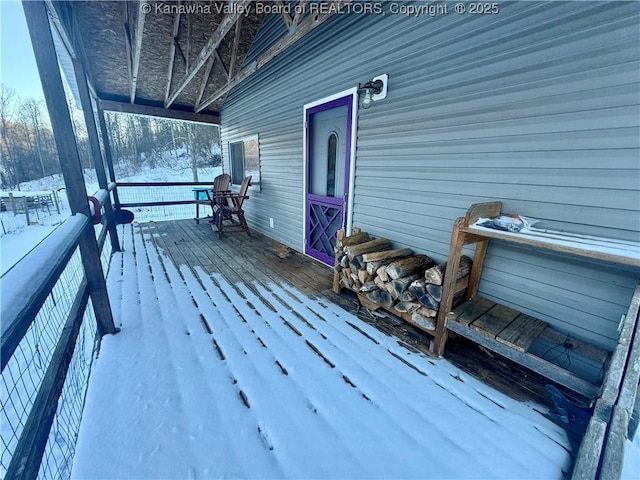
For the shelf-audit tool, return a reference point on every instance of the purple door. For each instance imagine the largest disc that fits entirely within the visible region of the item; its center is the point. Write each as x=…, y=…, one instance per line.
x=328, y=156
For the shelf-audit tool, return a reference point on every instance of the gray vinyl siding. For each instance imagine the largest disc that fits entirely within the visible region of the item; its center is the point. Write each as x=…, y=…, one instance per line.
x=538, y=107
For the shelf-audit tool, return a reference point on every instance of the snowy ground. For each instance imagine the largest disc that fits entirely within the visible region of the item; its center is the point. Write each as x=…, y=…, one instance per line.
x=278, y=385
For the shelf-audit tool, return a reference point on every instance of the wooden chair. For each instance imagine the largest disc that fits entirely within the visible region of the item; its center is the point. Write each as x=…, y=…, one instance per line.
x=220, y=184
x=226, y=205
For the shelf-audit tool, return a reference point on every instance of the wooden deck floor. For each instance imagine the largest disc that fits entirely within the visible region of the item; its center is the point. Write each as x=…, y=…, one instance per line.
x=240, y=258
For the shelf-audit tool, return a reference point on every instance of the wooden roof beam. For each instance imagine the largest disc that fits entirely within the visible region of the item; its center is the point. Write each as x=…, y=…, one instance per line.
x=239, y=9
x=286, y=18
x=224, y=67
x=306, y=26
x=138, y=109
x=136, y=48
x=205, y=78
x=172, y=51
x=234, y=51
x=301, y=10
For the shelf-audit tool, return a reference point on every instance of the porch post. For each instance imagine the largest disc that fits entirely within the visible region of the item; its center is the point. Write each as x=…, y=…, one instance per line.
x=108, y=154
x=42, y=41
x=92, y=132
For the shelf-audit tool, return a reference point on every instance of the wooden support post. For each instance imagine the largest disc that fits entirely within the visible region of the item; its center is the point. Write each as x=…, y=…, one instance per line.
x=94, y=142
x=25, y=205
x=12, y=202
x=108, y=154
x=455, y=252
x=46, y=60
x=54, y=197
x=336, y=273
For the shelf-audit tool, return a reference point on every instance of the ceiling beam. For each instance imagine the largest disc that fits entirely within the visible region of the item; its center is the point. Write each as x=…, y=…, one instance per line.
x=205, y=79
x=172, y=51
x=239, y=8
x=234, y=51
x=224, y=67
x=137, y=35
x=306, y=26
x=283, y=13
x=300, y=11
x=137, y=109
x=127, y=40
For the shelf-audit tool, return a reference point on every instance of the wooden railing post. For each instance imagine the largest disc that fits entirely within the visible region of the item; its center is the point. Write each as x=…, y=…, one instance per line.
x=94, y=142
x=46, y=60
x=108, y=154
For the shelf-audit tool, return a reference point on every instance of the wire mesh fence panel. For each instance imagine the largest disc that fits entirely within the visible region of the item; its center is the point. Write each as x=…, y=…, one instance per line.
x=136, y=195
x=57, y=460
x=23, y=374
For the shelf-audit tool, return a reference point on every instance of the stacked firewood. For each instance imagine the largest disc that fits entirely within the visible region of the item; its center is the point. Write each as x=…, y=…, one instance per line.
x=405, y=283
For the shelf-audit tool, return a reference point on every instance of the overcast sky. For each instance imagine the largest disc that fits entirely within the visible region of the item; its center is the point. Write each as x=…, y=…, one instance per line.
x=18, y=69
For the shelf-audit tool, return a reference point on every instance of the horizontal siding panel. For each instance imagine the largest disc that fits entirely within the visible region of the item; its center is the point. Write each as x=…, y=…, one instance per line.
x=537, y=107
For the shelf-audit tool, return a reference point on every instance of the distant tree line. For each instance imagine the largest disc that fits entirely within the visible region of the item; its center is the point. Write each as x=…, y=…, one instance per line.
x=28, y=150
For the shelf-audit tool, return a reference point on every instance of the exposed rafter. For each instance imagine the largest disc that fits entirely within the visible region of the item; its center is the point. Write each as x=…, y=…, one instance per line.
x=224, y=67
x=239, y=8
x=172, y=51
x=234, y=51
x=307, y=25
x=300, y=11
x=283, y=13
x=205, y=78
x=137, y=47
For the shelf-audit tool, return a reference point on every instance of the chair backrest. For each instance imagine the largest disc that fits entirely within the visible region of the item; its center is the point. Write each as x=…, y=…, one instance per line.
x=221, y=182
x=244, y=186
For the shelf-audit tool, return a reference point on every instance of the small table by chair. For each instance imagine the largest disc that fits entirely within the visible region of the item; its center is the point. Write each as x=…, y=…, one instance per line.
x=203, y=196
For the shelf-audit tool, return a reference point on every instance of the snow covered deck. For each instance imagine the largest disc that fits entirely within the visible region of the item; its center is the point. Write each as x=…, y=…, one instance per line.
x=225, y=369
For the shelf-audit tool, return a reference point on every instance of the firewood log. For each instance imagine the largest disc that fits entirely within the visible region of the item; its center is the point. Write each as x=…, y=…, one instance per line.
x=357, y=285
x=353, y=269
x=407, y=296
x=366, y=247
x=369, y=286
x=344, y=260
x=364, y=276
x=386, y=299
x=382, y=273
x=422, y=321
x=418, y=288
x=374, y=295
x=357, y=262
x=429, y=302
x=406, y=307
x=435, y=274
x=380, y=283
x=435, y=291
x=401, y=284
x=386, y=255
x=371, y=268
x=354, y=239
x=408, y=265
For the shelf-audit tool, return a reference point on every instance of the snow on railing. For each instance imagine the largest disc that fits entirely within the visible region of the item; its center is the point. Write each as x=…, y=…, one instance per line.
x=47, y=344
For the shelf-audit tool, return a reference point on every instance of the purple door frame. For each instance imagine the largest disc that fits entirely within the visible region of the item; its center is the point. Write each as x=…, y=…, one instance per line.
x=332, y=206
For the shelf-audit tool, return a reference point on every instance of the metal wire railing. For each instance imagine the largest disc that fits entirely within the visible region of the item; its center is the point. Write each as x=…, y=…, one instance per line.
x=36, y=348
x=24, y=373
x=157, y=201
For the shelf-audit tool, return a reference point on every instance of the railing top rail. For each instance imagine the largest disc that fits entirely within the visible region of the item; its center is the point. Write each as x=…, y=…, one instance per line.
x=27, y=284
x=165, y=184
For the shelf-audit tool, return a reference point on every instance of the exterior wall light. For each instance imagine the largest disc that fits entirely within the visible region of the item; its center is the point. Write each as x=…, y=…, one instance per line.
x=374, y=90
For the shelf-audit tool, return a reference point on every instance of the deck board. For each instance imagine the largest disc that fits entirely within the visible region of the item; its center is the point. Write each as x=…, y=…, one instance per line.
x=259, y=261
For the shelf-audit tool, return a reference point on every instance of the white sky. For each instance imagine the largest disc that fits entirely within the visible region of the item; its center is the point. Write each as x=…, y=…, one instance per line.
x=18, y=69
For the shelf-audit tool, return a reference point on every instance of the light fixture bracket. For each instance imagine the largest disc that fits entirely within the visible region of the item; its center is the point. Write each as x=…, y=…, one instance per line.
x=373, y=90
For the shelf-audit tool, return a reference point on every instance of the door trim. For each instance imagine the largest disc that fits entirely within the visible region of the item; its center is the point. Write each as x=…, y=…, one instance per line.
x=352, y=163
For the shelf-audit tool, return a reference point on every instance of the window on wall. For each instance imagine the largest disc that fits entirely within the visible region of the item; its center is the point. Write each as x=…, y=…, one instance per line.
x=332, y=153
x=244, y=160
